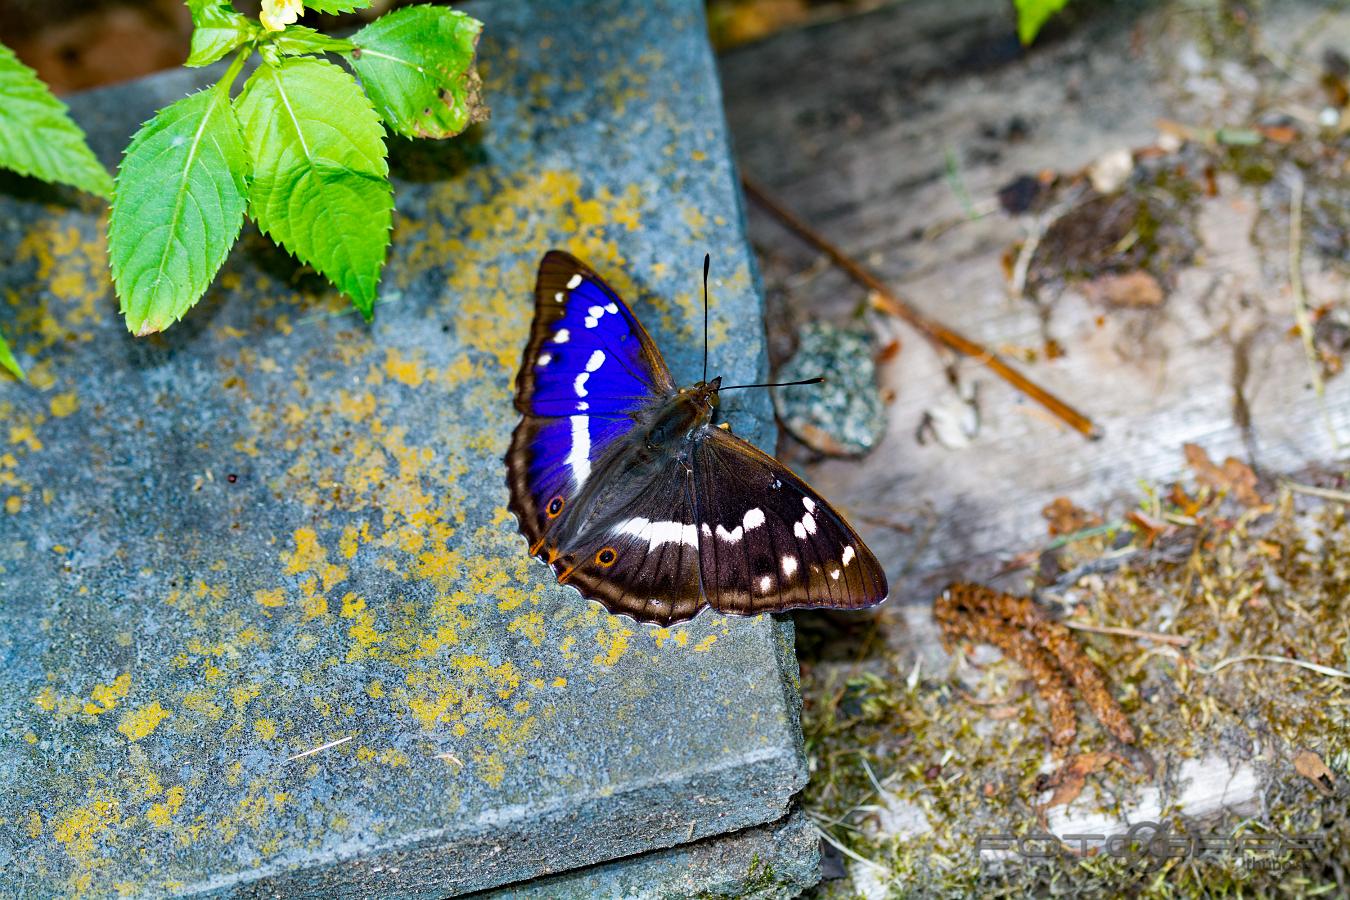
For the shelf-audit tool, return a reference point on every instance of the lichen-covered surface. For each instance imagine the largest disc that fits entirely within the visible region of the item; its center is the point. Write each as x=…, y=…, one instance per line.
x=276, y=529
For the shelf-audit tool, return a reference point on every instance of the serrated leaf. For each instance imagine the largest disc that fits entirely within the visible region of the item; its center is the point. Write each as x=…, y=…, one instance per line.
x=297, y=39
x=37, y=135
x=8, y=361
x=417, y=65
x=333, y=7
x=179, y=204
x=320, y=180
x=1032, y=16
x=216, y=30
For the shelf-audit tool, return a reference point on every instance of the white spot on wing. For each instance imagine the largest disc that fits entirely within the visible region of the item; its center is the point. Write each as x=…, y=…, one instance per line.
x=834, y=573
x=579, y=457
x=580, y=384
x=809, y=523
x=753, y=519
x=545, y=358
x=765, y=582
x=582, y=406
x=848, y=555
x=809, y=504
x=561, y=337
x=789, y=565
x=658, y=533
x=558, y=297
x=799, y=530
x=591, y=323
x=731, y=537
x=597, y=359
x=707, y=532
x=574, y=281
x=612, y=308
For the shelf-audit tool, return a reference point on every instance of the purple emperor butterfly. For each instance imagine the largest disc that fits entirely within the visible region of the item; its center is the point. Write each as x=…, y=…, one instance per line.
x=624, y=486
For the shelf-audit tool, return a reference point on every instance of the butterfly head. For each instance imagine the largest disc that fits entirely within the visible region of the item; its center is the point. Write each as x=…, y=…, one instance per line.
x=703, y=394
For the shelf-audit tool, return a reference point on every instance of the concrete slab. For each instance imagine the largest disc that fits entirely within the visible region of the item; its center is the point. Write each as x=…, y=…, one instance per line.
x=267, y=625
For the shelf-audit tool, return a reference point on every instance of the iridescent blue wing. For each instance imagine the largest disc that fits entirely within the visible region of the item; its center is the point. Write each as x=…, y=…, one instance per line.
x=587, y=352
x=589, y=366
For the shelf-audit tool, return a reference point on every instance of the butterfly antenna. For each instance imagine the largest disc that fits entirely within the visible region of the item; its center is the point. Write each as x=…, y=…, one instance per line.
x=707, y=261
x=817, y=380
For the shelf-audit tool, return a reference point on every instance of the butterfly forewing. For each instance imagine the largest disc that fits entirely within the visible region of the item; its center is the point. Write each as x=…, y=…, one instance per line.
x=587, y=351
x=588, y=366
x=768, y=542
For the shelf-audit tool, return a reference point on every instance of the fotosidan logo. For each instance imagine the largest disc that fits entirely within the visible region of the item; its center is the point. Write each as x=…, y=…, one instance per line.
x=1146, y=844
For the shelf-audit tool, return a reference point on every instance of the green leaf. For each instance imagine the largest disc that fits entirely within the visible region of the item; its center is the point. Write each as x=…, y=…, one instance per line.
x=179, y=204
x=417, y=65
x=1032, y=16
x=216, y=30
x=37, y=135
x=297, y=40
x=333, y=7
x=320, y=179
x=8, y=361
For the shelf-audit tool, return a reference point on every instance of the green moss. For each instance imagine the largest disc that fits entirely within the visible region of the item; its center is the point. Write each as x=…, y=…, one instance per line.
x=887, y=748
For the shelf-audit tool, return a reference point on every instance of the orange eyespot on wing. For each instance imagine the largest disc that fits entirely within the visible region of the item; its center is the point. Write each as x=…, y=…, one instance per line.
x=555, y=507
x=606, y=557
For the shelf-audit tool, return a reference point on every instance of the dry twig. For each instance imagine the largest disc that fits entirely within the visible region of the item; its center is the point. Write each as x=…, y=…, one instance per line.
x=888, y=302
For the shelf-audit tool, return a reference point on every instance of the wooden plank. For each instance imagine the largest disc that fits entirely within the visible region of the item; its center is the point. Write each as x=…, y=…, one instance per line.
x=885, y=131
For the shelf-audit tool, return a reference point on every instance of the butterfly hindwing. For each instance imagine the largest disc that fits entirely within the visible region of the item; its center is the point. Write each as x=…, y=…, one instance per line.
x=634, y=546
x=768, y=542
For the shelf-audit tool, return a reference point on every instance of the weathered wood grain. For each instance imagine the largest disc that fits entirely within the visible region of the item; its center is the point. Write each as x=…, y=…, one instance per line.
x=886, y=131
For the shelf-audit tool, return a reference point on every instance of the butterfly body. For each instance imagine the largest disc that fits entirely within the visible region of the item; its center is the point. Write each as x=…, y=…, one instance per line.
x=624, y=486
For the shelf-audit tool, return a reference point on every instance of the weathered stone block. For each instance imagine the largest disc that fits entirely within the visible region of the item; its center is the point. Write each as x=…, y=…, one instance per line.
x=276, y=529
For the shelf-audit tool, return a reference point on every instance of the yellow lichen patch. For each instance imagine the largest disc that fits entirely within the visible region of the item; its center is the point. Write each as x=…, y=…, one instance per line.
x=404, y=371
x=139, y=723
x=531, y=625
x=23, y=436
x=265, y=729
x=203, y=703
x=63, y=405
x=613, y=641
x=161, y=814
x=271, y=597
x=79, y=829
x=310, y=556
x=705, y=645
x=240, y=695
x=315, y=605
x=105, y=696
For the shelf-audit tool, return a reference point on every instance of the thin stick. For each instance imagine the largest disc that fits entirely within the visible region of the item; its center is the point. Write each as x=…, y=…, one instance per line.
x=1260, y=657
x=886, y=301
x=1174, y=639
x=1314, y=491
x=327, y=746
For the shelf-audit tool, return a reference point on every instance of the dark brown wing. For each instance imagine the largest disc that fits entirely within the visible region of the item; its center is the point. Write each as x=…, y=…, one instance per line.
x=635, y=546
x=768, y=542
